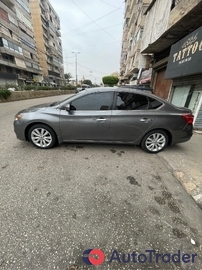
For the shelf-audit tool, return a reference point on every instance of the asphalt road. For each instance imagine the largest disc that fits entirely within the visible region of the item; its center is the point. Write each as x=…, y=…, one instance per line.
x=57, y=203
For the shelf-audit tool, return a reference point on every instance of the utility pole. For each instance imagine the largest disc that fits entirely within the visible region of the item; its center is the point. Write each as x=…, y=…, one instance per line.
x=75, y=53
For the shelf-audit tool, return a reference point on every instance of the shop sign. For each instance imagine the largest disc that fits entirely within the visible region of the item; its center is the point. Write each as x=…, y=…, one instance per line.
x=186, y=56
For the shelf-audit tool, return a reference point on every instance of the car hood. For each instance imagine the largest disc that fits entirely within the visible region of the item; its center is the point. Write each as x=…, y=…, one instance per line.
x=40, y=107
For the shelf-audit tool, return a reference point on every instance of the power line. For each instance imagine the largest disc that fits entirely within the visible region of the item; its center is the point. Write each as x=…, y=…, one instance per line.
x=81, y=71
x=98, y=30
x=95, y=47
x=93, y=21
x=107, y=3
x=92, y=69
x=87, y=24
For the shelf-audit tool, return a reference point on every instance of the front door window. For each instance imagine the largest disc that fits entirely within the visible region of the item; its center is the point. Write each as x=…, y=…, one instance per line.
x=93, y=102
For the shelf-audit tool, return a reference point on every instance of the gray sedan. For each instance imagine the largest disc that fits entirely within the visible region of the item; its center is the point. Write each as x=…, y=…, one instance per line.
x=106, y=115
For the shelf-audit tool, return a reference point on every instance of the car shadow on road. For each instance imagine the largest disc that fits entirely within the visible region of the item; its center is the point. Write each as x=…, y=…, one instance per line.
x=100, y=147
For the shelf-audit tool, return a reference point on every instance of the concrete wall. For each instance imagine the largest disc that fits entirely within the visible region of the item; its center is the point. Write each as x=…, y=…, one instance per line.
x=181, y=10
x=20, y=95
x=156, y=22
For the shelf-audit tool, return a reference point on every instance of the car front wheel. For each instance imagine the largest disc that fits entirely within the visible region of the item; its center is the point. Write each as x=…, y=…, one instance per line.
x=154, y=141
x=42, y=136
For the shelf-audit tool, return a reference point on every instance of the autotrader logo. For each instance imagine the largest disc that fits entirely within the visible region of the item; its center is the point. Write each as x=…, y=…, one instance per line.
x=97, y=257
x=93, y=256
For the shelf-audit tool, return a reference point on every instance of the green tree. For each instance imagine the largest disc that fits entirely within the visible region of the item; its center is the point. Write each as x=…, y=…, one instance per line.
x=68, y=76
x=87, y=82
x=110, y=80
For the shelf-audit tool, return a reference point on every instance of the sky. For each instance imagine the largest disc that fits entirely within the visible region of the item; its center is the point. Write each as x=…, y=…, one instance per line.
x=93, y=30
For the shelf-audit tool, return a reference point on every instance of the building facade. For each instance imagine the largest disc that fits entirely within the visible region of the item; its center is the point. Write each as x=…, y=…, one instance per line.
x=176, y=45
x=172, y=41
x=19, y=62
x=46, y=25
x=132, y=61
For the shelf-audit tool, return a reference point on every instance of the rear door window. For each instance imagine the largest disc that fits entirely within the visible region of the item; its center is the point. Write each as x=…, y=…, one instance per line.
x=154, y=104
x=131, y=101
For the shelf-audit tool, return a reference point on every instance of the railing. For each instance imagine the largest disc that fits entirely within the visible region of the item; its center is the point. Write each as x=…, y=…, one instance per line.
x=52, y=73
x=175, y=3
x=5, y=75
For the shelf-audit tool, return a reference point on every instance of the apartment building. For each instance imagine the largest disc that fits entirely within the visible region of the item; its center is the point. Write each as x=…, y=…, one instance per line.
x=19, y=63
x=133, y=63
x=46, y=24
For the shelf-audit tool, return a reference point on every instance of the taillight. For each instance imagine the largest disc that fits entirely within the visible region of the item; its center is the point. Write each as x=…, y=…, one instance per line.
x=189, y=118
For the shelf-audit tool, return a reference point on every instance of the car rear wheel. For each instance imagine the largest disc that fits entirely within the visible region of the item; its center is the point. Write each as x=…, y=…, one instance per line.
x=42, y=136
x=154, y=141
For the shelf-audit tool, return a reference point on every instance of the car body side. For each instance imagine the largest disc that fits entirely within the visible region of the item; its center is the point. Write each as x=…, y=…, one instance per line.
x=167, y=118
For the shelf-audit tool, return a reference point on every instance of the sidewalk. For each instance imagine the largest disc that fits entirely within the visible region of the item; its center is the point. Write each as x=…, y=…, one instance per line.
x=186, y=162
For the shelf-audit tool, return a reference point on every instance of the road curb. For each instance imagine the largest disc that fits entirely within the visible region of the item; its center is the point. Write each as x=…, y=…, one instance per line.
x=189, y=185
x=191, y=188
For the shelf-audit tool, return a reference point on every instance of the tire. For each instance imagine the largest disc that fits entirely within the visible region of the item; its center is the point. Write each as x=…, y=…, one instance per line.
x=42, y=136
x=154, y=141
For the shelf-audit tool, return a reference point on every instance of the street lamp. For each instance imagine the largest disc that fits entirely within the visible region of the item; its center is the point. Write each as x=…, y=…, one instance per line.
x=76, y=65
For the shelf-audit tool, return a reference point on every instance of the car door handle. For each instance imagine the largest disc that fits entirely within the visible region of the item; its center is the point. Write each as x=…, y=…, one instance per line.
x=146, y=120
x=101, y=119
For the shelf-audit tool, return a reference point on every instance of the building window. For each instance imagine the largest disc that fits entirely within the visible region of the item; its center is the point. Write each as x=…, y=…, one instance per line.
x=9, y=70
x=138, y=36
x=10, y=45
x=186, y=96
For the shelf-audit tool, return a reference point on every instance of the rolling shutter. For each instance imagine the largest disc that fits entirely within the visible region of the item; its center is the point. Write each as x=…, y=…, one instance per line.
x=194, y=79
x=198, y=122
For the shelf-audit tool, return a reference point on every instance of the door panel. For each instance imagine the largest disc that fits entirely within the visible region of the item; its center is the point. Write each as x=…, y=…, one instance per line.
x=132, y=117
x=88, y=119
x=85, y=125
x=130, y=125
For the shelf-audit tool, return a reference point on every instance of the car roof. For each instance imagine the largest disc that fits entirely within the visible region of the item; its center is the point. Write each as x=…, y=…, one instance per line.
x=115, y=89
x=138, y=87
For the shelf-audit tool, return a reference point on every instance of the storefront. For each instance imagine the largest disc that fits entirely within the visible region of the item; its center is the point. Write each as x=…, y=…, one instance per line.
x=160, y=85
x=185, y=68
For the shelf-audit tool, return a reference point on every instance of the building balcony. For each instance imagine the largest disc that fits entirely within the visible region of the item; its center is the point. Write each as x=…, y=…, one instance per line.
x=128, y=3
x=34, y=70
x=58, y=33
x=9, y=76
x=52, y=50
x=11, y=52
x=181, y=9
x=133, y=69
x=136, y=47
x=7, y=63
x=54, y=74
x=9, y=3
x=43, y=15
x=132, y=19
x=43, y=4
x=45, y=23
x=45, y=33
x=132, y=5
x=184, y=18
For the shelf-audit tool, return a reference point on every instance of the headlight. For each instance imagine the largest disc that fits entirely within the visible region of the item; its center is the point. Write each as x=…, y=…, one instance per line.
x=18, y=117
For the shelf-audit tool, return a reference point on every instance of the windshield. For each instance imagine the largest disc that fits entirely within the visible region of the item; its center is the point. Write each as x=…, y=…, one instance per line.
x=64, y=100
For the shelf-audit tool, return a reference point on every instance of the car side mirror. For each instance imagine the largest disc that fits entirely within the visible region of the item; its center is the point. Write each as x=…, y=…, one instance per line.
x=67, y=107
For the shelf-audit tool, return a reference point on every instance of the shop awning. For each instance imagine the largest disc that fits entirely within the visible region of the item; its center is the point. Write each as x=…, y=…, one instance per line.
x=146, y=80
